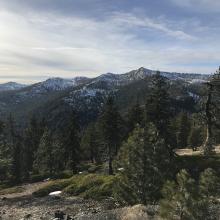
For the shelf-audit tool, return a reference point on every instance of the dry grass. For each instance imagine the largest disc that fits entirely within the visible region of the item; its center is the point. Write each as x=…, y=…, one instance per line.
x=12, y=190
x=23, y=190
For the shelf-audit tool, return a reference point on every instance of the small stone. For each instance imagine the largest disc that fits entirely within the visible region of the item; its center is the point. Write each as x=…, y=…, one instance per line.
x=27, y=216
x=59, y=215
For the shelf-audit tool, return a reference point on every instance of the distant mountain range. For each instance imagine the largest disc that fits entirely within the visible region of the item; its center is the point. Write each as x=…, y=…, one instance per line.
x=110, y=79
x=11, y=86
x=56, y=97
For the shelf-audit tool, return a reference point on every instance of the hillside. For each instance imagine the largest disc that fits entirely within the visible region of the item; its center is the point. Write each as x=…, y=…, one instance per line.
x=57, y=96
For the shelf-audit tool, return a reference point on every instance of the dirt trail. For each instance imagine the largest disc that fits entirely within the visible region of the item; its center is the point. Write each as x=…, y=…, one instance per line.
x=22, y=205
x=27, y=190
x=190, y=152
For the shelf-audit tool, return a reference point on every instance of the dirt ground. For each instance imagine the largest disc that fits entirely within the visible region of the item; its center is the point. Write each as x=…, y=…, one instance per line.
x=190, y=152
x=22, y=205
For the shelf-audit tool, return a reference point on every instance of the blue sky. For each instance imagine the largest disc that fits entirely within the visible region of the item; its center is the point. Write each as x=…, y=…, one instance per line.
x=68, y=38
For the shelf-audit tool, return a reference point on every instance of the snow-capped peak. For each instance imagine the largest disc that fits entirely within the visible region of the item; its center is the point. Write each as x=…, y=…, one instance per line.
x=57, y=83
x=11, y=86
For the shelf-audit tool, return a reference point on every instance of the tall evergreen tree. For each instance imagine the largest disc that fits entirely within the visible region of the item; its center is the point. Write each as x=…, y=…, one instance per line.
x=145, y=162
x=111, y=130
x=186, y=199
x=71, y=143
x=184, y=130
x=179, y=198
x=32, y=139
x=158, y=110
x=90, y=143
x=5, y=155
x=196, y=137
x=15, y=143
x=16, y=163
x=44, y=157
x=135, y=116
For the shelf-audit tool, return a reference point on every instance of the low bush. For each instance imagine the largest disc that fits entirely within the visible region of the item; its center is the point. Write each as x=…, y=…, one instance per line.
x=16, y=189
x=88, y=186
x=55, y=185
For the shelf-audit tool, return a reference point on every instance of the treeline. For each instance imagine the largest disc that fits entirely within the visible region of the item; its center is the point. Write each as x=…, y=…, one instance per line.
x=38, y=149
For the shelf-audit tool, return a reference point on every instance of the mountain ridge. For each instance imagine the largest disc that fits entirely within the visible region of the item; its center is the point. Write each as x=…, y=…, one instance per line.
x=11, y=86
x=59, y=83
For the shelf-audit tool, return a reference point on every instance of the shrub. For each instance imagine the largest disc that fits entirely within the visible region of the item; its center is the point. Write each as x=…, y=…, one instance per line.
x=88, y=186
x=51, y=187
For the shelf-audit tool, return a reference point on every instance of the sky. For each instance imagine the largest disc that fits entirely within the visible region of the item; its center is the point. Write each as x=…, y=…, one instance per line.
x=67, y=38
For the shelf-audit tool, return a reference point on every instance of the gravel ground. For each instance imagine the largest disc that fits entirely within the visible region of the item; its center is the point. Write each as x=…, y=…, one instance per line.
x=27, y=207
x=22, y=206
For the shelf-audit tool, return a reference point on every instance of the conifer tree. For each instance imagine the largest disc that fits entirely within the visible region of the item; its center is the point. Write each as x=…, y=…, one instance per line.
x=16, y=164
x=187, y=200
x=5, y=156
x=71, y=143
x=158, y=110
x=135, y=116
x=90, y=143
x=45, y=158
x=208, y=194
x=179, y=198
x=15, y=144
x=58, y=156
x=196, y=137
x=32, y=139
x=50, y=154
x=184, y=130
x=111, y=130
x=145, y=162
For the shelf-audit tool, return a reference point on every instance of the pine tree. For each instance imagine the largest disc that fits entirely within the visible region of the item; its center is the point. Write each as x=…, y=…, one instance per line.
x=135, y=116
x=145, y=162
x=15, y=144
x=32, y=139
x=184, y=130
x=209, y=189
x=44, y=157
x=16, y=164
x=209, y=184
x=196, y=137
x=90, y=143
x=158, y=110
x=179, y=198
x=186, y=199
x=50, y=154
x=111, y=130
x=58, y=156
x=5, y=156
x=71, y=143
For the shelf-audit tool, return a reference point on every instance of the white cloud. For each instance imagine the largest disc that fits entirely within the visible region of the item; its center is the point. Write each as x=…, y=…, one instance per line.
x=46, y=44
x=146, y=22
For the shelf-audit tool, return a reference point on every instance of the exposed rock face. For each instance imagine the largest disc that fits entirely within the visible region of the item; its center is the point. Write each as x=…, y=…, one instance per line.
x=138, y=212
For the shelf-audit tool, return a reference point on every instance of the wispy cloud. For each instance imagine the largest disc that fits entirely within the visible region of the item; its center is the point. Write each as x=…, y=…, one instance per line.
x=149, y=23
x=204, y=6
x=47, y=43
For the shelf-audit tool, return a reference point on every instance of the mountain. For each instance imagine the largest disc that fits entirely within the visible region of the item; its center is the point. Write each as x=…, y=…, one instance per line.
x=56, y=97
x=112, y=79
x=11, y=86
x=57, y=84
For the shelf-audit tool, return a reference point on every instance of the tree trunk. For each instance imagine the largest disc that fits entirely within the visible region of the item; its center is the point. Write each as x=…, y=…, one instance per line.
x=110, y=168
x=208, y=145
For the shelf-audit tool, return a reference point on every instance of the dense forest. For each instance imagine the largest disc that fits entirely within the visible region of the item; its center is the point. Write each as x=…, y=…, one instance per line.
x=129, y=149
